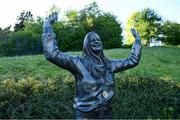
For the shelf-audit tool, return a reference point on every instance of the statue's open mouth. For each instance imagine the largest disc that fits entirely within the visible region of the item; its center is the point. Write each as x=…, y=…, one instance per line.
x=96, y=45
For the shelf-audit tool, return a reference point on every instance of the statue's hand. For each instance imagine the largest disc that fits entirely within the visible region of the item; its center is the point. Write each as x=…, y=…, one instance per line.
x=51, y=19
x=136, y=35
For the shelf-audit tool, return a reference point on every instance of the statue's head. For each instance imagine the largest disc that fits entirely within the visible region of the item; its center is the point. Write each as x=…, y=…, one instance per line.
x=93, y=42
x=93, y=47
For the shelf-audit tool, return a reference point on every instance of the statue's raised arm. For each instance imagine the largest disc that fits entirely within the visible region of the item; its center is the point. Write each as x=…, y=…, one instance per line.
x=52, y=53
x=134, y=57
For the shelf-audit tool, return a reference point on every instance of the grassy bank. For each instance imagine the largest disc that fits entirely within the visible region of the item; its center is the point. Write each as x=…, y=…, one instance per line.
x=163, y=62
x=31, y=87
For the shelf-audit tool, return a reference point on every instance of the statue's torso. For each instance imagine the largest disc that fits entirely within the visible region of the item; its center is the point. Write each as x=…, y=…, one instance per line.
x=95, y=85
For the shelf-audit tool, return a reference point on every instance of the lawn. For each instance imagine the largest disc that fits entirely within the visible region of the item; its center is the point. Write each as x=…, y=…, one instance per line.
x=161, y=62
x=32, y=87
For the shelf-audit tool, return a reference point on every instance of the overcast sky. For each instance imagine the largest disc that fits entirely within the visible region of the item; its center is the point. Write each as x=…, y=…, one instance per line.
x=10, y=9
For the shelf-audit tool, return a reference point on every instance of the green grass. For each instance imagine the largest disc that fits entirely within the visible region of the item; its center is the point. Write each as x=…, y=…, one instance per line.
x=162, y=62
x=32, y=87
x=157, y=61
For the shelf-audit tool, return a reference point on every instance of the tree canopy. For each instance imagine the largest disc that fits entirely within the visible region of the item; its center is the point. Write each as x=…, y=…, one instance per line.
x=171, y=32
x=25, y=16
x=147, y=22
x=70, y=30
x=74, y=25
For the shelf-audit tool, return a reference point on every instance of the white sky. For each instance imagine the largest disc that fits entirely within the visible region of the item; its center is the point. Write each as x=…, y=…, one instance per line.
x=10, y=9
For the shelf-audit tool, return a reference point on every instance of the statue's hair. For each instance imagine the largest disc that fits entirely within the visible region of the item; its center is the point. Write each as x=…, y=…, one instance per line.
x=87, y=52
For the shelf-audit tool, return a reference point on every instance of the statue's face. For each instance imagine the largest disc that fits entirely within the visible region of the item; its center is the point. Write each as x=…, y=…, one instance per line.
x=95, y=43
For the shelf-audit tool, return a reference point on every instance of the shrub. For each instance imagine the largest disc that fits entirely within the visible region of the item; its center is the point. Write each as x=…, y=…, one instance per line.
x=136, y=97
x=30, y=98
x=146, y=97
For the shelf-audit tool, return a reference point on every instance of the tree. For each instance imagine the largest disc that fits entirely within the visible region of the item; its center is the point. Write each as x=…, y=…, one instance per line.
x=109, y=29
x=72, y=17
x=148, y=24
x=105, y=24
x=130, y=23
x=171, y=32
x=91, y=10
x=24, y=17
x=34, y=26
x=70, y=32
x=88, y=15
x=4, y=33
x=4, y=37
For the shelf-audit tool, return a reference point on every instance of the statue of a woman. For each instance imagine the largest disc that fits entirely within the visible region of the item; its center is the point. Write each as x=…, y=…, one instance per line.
x=93, y=72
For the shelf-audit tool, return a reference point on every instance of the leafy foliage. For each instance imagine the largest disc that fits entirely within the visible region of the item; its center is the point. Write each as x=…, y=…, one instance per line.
x=148, y=24
x=103, y=25
x=144, y=97
x=30, y=98
x=21, y=43
x=70, y=32
x=24, y=17
x=171, y=32
x=4, y=37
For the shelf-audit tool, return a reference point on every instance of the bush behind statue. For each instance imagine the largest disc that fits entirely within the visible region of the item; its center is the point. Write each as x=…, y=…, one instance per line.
x=21, y=43
x=70, y=32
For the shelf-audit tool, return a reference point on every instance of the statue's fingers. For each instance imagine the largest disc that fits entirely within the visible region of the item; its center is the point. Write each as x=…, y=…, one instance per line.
x=53, y=13
x=56, y=13
x=133, y=30
x=56, y=16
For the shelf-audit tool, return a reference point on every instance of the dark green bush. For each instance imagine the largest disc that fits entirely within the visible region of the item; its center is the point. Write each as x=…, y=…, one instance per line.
x=137, y=97
x=30, y=98
x=22, y=43
x=146, y=97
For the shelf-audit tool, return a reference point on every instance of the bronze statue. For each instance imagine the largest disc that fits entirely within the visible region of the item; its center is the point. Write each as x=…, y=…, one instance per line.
x=93, y=72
